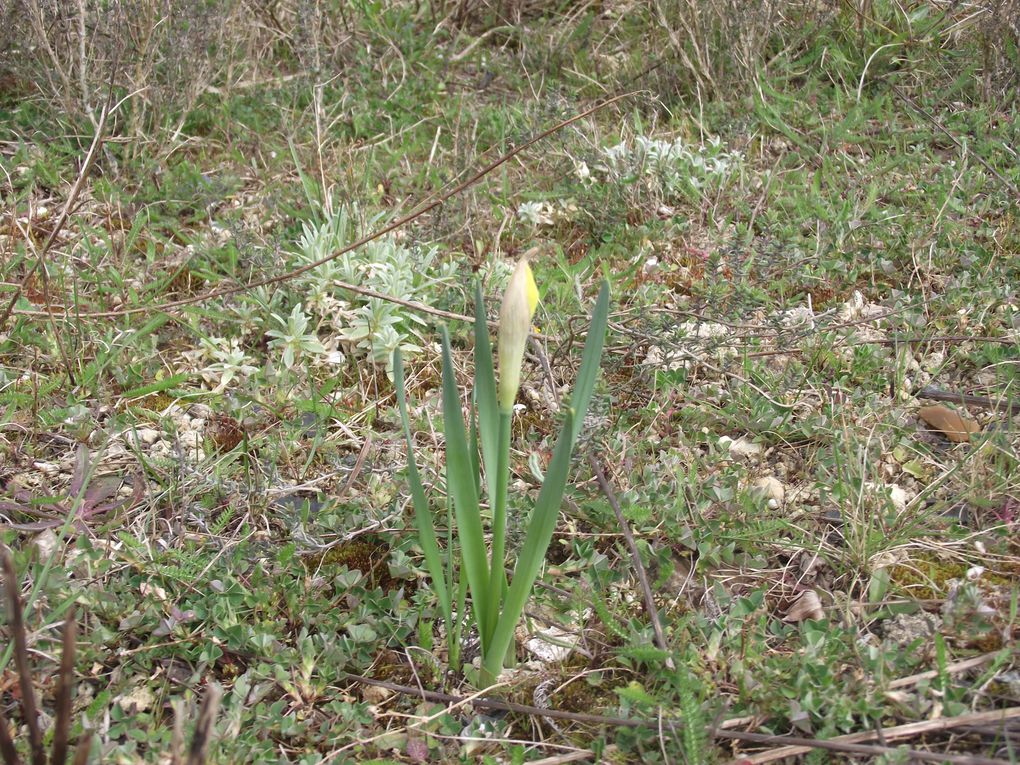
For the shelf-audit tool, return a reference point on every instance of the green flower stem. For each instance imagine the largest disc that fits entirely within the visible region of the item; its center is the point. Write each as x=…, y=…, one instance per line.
x=497, y=567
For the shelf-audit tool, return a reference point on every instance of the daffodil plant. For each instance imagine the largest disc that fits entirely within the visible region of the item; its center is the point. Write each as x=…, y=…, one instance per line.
x=477, y=458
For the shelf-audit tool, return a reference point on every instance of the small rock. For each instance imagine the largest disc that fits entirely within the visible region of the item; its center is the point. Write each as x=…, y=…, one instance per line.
x=904, y=629
x=143, y=436
x=373, y=694
x=192, y=443
x=899, y=497
x=551, y=645
x=139, y=699
x=771, y=490
x=45, y=544
x=741, y=447
x=200, y=411
x=896, y=494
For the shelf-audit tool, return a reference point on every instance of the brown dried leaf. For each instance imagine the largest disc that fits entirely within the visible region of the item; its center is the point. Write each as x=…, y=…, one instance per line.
x=807, y=606
x=417, y=750
x=949, y=422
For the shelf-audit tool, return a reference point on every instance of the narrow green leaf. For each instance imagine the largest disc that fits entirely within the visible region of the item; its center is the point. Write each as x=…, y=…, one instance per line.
x=155, y=387
x=422, y=514
x=455, y=630
x=462, y=488
x=473, y=447
x=591, y=361
x=498, y=502
x=485, y=396
x=541, y=526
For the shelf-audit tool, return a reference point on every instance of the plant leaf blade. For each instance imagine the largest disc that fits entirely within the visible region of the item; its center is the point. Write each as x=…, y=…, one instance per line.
x=422, y=514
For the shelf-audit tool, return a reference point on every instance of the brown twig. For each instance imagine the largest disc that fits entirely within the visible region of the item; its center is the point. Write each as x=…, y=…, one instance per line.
x=805, y=744
x=81, y=752
x=65, y=685
x=401, y=221
x=504, y=706
x=177, y=736
x=19, y=636
x=937, y=394
x=635, y=554
x=628, y=535
x=899, y=732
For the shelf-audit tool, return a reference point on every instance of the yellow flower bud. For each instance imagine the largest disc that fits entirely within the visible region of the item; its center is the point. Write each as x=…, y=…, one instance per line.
x=519, y=303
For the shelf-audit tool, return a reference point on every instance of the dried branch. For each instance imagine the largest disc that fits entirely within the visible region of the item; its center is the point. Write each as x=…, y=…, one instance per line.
x=81, y=753
x=840, y=744
x=19, y=636
x=65, y=687
x=635, y=554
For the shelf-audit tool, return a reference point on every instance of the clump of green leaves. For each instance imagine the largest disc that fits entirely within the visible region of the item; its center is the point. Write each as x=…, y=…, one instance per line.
x=370, y=327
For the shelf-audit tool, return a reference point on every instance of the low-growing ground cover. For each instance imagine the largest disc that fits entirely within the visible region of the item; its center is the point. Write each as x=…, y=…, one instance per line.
x=809, y=225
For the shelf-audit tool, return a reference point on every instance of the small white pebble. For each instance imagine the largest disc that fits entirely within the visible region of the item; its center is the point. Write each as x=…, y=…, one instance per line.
x=771, y=490
x=146, y=436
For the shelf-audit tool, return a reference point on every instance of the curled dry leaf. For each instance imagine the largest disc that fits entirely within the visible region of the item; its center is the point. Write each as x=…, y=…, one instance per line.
x=373, y=694
x=949, y=422
x=807, y=606
x=417, y=750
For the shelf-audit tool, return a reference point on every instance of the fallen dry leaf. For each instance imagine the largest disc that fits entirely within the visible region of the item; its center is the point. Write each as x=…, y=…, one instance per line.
x=949, y=422
x=807, y=606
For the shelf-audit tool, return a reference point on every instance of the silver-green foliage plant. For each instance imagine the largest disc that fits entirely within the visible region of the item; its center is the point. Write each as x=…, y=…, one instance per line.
x=477, y=459
x=672, y=165
x=369, y=327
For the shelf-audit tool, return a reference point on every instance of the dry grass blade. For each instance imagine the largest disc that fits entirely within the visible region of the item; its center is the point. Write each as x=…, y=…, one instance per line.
x=177, y=737
x=19, y=636
x=954, y=668
x=203, y=728
x=65, y=684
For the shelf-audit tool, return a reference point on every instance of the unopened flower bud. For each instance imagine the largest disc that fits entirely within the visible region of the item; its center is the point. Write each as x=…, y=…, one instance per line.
x=519, y=303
